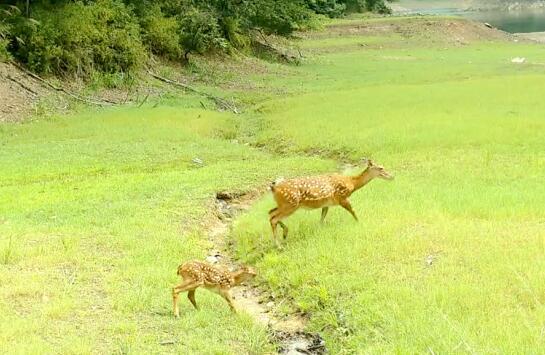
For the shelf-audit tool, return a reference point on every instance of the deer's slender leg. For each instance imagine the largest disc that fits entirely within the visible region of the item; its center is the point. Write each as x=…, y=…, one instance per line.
x=226, y=294
x=184, y=286
x=276, y=217
x=191, y=296
x=347, y=206
x=324, y=213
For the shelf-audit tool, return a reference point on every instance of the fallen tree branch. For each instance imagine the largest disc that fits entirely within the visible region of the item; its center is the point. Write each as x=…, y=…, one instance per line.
x=144, y=101
x=284, y=54
x=102, y=102
x=22, y=85
x=224, y=104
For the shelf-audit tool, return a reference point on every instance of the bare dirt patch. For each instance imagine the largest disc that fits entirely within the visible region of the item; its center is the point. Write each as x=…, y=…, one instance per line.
x=288, y=332
x=532, y=36
x=442, y=30
x=18, y=94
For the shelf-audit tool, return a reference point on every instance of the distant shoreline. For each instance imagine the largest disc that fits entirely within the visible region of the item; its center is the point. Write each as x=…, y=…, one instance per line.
x=474, y=7
x=516, y=6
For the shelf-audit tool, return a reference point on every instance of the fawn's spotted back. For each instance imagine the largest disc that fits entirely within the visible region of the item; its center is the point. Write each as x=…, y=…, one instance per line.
x=206, y=273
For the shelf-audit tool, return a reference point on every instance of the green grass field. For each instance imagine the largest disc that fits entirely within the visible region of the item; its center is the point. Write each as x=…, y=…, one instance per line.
x=97, y=210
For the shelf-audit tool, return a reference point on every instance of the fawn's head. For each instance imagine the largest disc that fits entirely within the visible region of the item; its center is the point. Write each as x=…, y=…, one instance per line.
x=378, y=171
x=245, y=273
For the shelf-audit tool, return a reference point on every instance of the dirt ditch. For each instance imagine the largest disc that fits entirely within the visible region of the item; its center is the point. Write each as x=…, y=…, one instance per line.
x=287, y=332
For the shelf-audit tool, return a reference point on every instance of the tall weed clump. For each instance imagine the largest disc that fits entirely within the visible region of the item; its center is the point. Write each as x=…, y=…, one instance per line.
x=79, y=39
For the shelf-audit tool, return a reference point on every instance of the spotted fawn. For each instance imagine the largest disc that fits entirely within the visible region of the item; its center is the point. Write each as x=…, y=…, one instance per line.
x=197, y=274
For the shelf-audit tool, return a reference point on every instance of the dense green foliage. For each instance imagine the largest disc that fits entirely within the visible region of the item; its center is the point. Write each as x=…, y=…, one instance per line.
x=79, y=38
x=337, y=8
x=5, y=29
x=109, y=36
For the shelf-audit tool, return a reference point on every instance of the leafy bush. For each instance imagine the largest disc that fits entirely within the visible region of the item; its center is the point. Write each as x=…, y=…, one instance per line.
x=331, y=8
x=337, y=8
x=378, y=6
x=200, y=32
x=234, y=32
x=280, y=17
x=6, y=14
x=161, y=34
x=75, y=38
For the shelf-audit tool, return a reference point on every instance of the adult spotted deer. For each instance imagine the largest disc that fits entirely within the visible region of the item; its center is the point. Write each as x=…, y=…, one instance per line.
x=318, y=192
x=197, y=274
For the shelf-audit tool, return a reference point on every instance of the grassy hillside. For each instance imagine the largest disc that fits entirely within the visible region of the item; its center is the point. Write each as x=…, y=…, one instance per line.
x=97, y=210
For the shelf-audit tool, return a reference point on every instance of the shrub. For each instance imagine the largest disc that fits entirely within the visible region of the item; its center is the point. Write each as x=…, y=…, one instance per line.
x=331, y=8
x=234, y=32
x=75, y=38
x=199, y=32
x=280, y=17
x=6, y=14
x=161, y=34
x=378, y=6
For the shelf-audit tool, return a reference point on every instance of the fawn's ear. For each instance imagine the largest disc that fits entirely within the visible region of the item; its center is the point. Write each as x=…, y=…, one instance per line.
x=367, y=162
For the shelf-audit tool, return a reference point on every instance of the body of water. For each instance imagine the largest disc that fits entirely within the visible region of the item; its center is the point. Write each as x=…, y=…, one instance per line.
x=523, y=21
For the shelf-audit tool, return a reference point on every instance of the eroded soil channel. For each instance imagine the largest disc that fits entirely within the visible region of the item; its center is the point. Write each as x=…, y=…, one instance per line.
x=287, y=332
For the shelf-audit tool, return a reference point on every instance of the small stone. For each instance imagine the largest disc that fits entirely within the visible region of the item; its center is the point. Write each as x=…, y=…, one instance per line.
x=270, y=304
x=518, y=60
x=429, y=260
x=197, y=161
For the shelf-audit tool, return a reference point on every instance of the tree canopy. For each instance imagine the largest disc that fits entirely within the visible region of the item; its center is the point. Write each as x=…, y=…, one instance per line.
x=80, y=37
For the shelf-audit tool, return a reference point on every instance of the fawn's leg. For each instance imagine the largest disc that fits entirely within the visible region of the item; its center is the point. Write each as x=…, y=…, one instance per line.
x=226, y=294
x=274, y=222
x=324, y=213
x=347, y=206
x=191, y=296
x=184, y=286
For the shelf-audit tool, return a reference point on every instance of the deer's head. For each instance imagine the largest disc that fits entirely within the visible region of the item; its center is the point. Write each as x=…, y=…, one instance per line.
x=378, y=171
x=244, y=273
